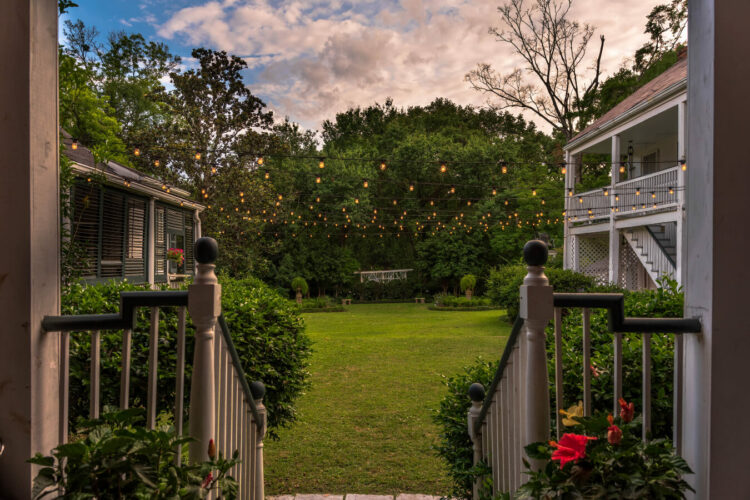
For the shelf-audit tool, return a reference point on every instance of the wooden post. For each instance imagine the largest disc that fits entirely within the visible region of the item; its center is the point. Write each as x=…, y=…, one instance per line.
x=30, y=365
x=614, y=234
x=476, y=393
x=204, y=304
x=258, y=390
x=537, y=310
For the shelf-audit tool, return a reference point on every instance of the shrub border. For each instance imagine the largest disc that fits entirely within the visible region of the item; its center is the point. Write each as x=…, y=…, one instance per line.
x=334, y=309
x=473, y=308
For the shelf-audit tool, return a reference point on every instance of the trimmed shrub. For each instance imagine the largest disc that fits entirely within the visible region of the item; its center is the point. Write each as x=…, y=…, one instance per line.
x=267, y=331
x=299, y=284
x=504, y=283
x=451, y=301
x=454, y=445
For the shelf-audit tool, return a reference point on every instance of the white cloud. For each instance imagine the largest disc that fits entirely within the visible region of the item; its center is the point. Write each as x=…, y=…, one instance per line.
x=316, y=58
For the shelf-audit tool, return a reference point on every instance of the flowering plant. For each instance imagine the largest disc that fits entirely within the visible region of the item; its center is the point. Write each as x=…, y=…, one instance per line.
x=603, y=456
x=176, y=255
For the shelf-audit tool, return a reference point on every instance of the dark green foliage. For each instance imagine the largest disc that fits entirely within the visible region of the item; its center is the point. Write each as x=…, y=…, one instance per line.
x=117, y=458
x=468, y=282
x=504, y=284
x=455, y=445
x=267, y=331
x=299, y=284
x=628, y=469
x=451, y=301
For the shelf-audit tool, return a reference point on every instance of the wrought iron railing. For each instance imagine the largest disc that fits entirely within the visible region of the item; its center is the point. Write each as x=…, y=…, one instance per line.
x=223, y=407
x=515, y=411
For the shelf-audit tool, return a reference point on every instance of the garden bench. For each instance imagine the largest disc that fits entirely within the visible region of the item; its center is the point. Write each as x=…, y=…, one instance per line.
x=419, y=300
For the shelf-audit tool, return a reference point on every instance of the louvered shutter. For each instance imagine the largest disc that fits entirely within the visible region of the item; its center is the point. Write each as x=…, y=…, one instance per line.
x=85, y=226
x=189, y=241
x=135, y=247
x=113, y=234
x=160, y=244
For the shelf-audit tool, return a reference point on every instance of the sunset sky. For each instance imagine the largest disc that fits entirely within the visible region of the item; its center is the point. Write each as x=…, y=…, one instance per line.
x=311, y=59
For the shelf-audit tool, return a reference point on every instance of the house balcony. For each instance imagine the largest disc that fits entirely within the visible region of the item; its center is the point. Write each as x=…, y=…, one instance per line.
x=657, y=193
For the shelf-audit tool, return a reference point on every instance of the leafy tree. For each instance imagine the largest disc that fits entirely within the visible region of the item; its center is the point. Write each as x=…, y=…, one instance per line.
x=553, y=48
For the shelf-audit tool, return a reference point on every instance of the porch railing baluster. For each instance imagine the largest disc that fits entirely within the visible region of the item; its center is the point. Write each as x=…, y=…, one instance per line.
x=558, y=371
x=94, y=385
x=127, y=339
x=64, y=385
x=180, y=379
x=586, y=321
x=617, y=369
x=153, y=368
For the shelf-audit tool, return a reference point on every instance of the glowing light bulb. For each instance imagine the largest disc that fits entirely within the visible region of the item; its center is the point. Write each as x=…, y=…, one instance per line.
x=366, y=184
x=213, y=170
x=533, y=191
x=156, y=163
x=74, y=145
x=453, y=189
x=605, y=191
x=382, y=166
x=622, y=168
x=506, y=203
x=259, y=161
x=321, y=163
x=443, y=168
x=197, y=156
x=570, y=192
x=317, y=180
x=411, y=187
x=671, y=190
x=563, y=169
x=137, y=152
x=653, y=195
x=494, y=191
x=637, y=191
x=267, y=175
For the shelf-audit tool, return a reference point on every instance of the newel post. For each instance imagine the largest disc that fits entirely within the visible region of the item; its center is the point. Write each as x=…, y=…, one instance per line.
x=258, y=390
x=476, y=393
x=537, y=310
x=204, y=304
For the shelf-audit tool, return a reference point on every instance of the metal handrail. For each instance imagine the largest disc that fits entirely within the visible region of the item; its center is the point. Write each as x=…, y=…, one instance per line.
x=509, y=346
x=617, y=322
x=240, y=372
x=124, y=320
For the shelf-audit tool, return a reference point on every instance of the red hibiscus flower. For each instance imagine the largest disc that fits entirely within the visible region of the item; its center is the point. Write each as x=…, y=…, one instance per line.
x=627, y=410
x=614, y=433
x=207, y=480
x=571, y=447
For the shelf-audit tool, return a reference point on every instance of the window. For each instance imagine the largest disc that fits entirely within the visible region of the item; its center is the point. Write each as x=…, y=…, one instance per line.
x=650, y=163
x=173, y=229
x=109, y=226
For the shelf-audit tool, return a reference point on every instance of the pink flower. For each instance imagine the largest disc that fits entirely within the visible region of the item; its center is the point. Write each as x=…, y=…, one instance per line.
x=571, y=447
x=207, y=481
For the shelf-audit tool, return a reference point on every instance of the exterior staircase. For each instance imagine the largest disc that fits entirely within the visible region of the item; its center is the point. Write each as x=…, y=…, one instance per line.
x=655, y=246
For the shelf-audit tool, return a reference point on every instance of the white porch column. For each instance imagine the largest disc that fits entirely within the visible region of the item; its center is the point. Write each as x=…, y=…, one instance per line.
x=614, y=234
x=715, y=398
x=151, y=250
x=681, y=178
x=29, y=255
x=567, y=240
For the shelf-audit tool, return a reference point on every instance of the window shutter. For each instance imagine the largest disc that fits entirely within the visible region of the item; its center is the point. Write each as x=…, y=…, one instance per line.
x=160, y=244
x=135, y=248
x=113, y=234
x=189, y=241
x=85, y=226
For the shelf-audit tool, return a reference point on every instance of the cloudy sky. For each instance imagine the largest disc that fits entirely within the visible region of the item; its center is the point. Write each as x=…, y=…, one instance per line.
x=311, y=59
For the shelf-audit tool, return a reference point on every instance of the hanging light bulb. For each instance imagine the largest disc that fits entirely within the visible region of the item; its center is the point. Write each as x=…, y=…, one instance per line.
x=156, y=163
x=653, y=194
x=137, y=152
x=382, y=165
x=321, y=163
x=432, y=203
x=443, y=168
x=671, y=190
x=504, y=167
x=570, y=192
x=163, y=187
x=506, y=202
x=605, y=191
x=453, y=189
x=494, y=191
x=563, y=169
x=267, y=175
x=622, y=167
x=74, y=145
x=317, y=179
x=198, y=155
x=580, y=199
x=213, y=170
x=617, y=197
x=468, y=203
x=317, y=199
x=366, y=184
x=411, y=187
x=259, y=161
x=637, y=191
x=684, y=165
x=280, y=197
x=395, y=202
x=543, y=202
x=533, y=191
x=356, y=200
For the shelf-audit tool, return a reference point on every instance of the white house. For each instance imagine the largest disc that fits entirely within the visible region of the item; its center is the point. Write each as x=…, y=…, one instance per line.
x=125, y=221
x=629, y=230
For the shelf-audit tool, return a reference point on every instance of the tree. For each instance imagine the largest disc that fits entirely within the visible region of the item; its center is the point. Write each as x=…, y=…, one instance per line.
x=553, y=49
x=665, y=26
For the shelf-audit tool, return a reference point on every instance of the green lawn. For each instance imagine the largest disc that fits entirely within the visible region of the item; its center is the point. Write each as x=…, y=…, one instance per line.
x=365, y=426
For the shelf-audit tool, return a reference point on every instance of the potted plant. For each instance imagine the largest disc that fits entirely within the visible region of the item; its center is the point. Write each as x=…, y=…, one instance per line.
x=299, y=285
x=176, y=255
x=468, y=283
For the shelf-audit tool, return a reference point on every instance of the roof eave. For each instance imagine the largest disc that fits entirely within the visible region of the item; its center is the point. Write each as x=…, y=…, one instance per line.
x=639, y=108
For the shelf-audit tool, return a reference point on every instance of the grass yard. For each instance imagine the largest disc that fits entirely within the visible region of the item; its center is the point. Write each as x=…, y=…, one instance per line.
x=365, y=426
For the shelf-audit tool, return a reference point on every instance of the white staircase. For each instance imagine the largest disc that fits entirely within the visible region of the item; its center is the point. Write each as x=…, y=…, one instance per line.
x=656, y=248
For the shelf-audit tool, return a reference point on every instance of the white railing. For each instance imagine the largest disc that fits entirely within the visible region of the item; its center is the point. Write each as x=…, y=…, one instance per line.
x=649, y=252
x=516, y=410
x=223, y=407
x=643, y=194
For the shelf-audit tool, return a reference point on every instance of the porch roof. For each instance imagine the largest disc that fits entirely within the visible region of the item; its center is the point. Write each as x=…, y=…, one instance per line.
x=84, y=161
x=673, y=79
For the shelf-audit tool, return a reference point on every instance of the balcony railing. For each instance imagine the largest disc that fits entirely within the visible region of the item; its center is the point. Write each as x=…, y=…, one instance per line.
x=644, y=194
x=223, y=407
x=515, y=411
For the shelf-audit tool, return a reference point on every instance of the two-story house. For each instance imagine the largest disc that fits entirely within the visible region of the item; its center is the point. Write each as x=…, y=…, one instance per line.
x=628, y=229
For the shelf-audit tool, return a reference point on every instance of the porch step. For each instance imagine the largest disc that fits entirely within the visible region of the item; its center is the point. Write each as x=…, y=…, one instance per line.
x=354, y=496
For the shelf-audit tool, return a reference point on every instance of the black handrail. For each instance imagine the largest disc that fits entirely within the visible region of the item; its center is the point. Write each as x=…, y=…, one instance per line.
x=661, y=246
x=615, y=305
x=240, y=372
x=509, y=346
x=124, y=320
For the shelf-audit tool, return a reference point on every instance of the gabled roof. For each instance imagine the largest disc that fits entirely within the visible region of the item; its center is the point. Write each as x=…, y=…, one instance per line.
x=675, y=76
x=136, y=181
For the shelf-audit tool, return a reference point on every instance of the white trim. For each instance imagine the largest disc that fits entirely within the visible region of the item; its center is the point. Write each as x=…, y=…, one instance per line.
x=646, y=220
x=602, y=228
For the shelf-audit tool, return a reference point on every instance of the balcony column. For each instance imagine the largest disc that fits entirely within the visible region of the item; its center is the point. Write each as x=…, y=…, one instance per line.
x=151, y=253
x=614, y=234
x=567, y=237
x=680, y=232
x=30, y=253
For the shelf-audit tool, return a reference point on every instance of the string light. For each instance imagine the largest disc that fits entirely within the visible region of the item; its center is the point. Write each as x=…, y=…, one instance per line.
x=671, y=190
x=156, y=163
x=137, y=152
x=259, y=161
x=74, y=145
x=533, y=191
x=453, y=189
x=622, y=167
x=267, y=175
x=213, y=170
x=383, y=166
x=321, y=163
x=605, y=191
x=684, y=164
x=366, y=184
x=411, y=187
x=443, y=168
x=494, y=191
x=504, y=167
x=653, y=195
x=198, y=155
x=563, y=169
x=317, y=180
x=637, y=191
x=570, y=192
